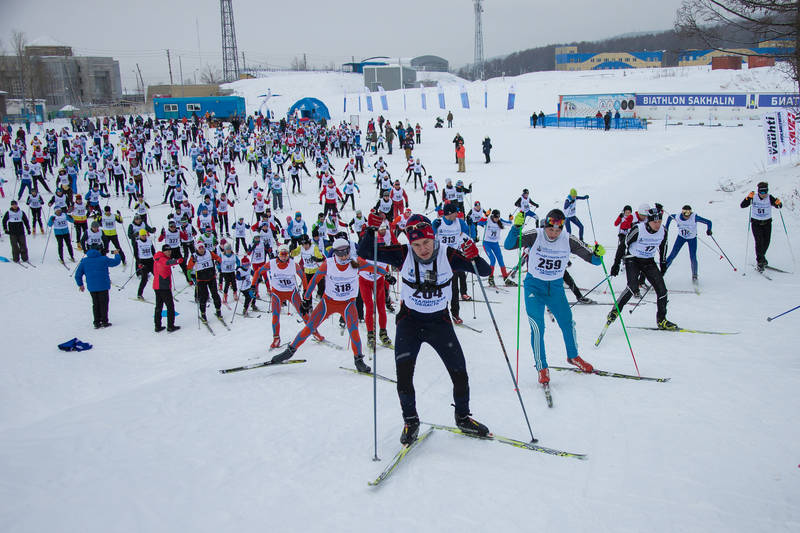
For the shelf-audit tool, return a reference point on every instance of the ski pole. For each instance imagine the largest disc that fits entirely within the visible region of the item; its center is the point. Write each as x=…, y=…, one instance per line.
x=747, y=237
x=723, y=252
x=519, y=290
x=502, y=346
x=375, y=346
x=590, y=290
x=789, y=242
x=704, y=243
x=619, y=314
x=473, y=299
x=46, y=243
x=640, y=300
x=235, y=306
x=771, y=318
x=127, y=280
x=591, y=221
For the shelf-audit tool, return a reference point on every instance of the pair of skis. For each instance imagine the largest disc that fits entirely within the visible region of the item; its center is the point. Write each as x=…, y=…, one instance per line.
x=405, y=450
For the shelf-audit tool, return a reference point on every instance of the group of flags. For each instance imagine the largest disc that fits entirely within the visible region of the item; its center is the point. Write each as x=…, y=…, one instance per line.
x=441, y=100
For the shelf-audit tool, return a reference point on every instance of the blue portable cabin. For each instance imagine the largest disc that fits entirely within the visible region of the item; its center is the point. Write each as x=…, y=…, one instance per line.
x=221, y=107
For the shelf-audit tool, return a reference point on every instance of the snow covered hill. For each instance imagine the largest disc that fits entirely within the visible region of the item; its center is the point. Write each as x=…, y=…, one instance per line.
x=142, y=433
x=535, y=91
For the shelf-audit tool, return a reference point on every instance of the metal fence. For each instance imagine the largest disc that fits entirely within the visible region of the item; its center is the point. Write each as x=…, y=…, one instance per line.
x=591, y=123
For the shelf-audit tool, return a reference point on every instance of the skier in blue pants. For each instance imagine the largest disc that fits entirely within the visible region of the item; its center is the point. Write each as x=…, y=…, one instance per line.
x=549, y=249
x=491, y=245
x=569, y=211
x=687, y=233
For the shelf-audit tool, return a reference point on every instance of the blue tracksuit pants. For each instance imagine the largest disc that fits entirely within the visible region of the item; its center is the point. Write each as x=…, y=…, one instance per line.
x=574, y=220
x=679, y=241
x=492, y=250
x=539, y=294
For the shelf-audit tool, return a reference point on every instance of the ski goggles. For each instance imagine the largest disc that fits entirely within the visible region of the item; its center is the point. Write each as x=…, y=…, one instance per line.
x=763, y=191
x=342, y=252
x=686, y=212
x=553, y=222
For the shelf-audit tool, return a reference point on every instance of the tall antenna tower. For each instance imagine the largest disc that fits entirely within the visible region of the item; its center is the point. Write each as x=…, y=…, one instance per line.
x=478, y=64
x=230, y=55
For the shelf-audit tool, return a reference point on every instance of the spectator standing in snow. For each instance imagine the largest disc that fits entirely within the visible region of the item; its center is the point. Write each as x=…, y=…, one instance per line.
x=487, y=148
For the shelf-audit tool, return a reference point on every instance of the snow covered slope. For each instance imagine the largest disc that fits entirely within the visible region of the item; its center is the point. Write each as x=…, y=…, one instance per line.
x=142, y=433
x=535, y=91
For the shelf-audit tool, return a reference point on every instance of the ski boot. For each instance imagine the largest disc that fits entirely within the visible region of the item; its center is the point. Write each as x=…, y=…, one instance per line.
x=582, y=365
x=466, y=297
x=544, y=376
x=361, y=366
x=410, y=431
x=371, y=340
x=276, y=341
x=491, y=281
x=509, y=282
x=159, y=329
x=284, y=355
x=384, y=337
x=585, y=300
x=611, y=317
x=254, y=308
x=469, y=425
x=140, y=297
x=667, y=325
x=203, y=318
x=170, y=329
x=218, y=314
x=317, y=336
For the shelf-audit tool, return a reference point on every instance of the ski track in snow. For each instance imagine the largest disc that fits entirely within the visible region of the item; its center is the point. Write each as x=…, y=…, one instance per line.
x=141, y=433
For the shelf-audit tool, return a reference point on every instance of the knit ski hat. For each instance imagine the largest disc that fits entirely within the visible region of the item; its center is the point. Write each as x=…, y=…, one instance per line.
x=419, y=227
x=573, y=193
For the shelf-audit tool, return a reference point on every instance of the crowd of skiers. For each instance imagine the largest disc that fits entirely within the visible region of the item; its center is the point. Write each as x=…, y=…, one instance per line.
x=233, y=240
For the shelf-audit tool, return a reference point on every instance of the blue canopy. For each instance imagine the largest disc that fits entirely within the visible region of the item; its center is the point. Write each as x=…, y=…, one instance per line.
x=310, y=108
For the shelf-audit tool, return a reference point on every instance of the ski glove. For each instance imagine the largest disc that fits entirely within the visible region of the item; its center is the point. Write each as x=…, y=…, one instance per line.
x=374, y=220
x=599, y=251
x=708, y=232
x=391, y=280
x=519, y=219
x=469, y=250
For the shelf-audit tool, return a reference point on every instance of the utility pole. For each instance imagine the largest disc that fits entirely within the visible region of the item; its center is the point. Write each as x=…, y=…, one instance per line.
x=197, y=28
x=169, y=63
x=144, y=89
x=180, y=69
x=244, y=64
x=305, y=62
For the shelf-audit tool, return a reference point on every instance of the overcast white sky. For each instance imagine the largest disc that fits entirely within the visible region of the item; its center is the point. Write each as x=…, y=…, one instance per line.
x=269, y=32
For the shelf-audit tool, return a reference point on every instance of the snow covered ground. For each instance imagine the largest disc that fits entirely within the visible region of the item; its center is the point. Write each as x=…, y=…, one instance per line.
x=142, y=433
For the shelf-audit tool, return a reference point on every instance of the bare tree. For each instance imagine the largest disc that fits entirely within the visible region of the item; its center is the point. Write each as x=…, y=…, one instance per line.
x=18, y=44
x=725, y=24
x=211, y=75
